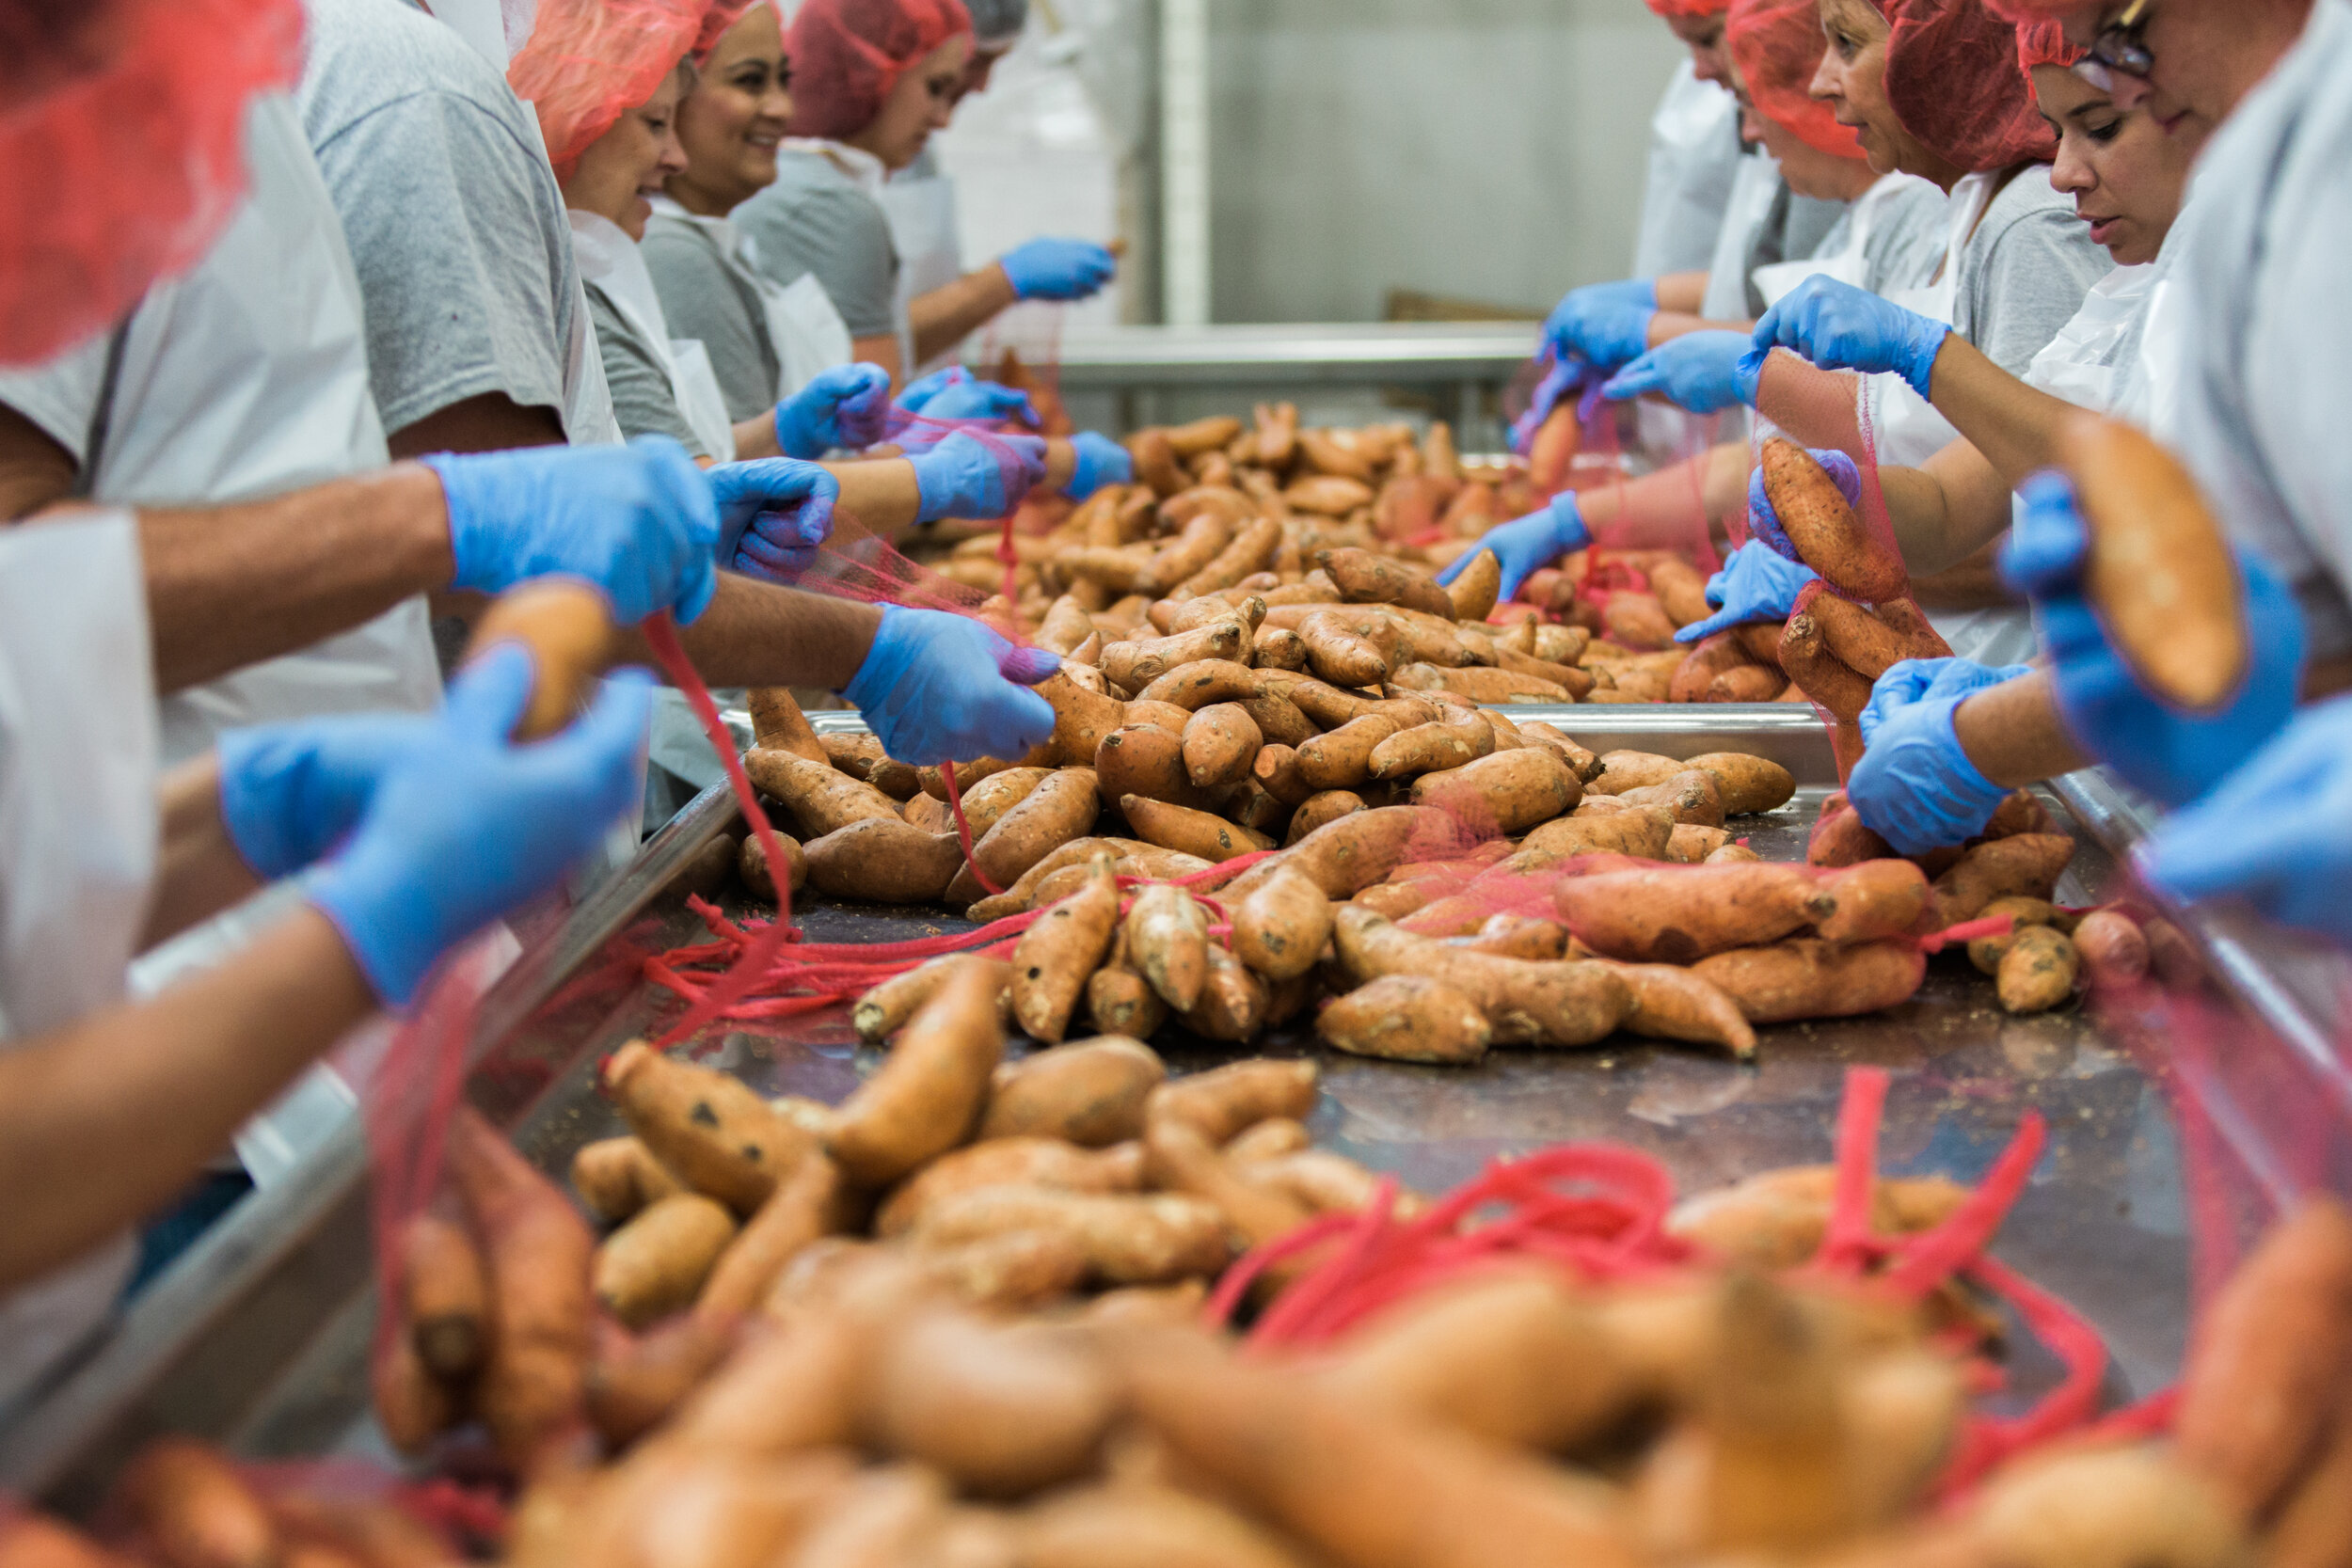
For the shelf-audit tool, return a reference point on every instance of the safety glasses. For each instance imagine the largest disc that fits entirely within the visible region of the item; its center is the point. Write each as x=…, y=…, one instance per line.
x=2119, y=51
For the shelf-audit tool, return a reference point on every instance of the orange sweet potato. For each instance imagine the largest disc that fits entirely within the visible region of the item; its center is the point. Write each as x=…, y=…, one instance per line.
x=656, y=1264
x=707, y=1127
x=1281, y=927
x=1683, y=914
x=1525, y=1003
x=806, y=1205
x=926, y=1097
x=1671, y=1003
x=1022, y=1162
x=1406, y=1018
x=1056, y=956
x=1828, y=536
x=1090, y=1093
x=1810, y=978
x=446, y=1287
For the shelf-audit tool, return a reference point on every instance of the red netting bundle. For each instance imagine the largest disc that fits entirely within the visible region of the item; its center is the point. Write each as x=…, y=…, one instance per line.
x=847, y=55
x=121, y=130
x=1777, y=45
x=591, y=61
x=1952, y=78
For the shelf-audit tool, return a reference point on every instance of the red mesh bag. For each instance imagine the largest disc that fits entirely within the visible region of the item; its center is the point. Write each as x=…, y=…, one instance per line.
x=591, y=61
x=1776, y=45
x=121, y=127
x=2044, y=43
x=1952, y=78
x=847, y=55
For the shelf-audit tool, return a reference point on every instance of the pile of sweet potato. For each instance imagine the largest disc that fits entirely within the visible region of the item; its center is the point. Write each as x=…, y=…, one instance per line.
x=1336, y=521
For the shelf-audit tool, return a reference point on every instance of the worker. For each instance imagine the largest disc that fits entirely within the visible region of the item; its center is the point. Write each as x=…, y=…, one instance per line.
x=876, y=78
x=1694, y=148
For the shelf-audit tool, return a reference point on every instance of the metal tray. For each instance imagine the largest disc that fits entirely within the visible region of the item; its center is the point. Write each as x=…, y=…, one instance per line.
x=258, y=1338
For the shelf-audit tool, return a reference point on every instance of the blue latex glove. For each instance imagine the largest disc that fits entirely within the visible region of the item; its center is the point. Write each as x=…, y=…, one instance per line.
x=966, y=476
x=1699, y=371
x=461, y=826
x=289, y=792
x=1058, y=269
x=636, y=521
x=778, y=496
x=2276, y=833
x=1764, y=522
x=1100, y=461
x=1756, y=584
x=1527, y=544
x=792, y=523
x=845, y=407
x=1840, y=327
x=938, y=688
x=1915, y=787
x=1562, y=378
x=2171, y=755
x=1605, y=325
x=956, y=394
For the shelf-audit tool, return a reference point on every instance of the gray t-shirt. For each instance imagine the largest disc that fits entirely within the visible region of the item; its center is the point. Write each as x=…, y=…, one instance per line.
x=642, y=397
x=705, y=293
x=1796, y=226
x=2025, y=270
x=455, y=219
x=1906, y=240
x=815, y=219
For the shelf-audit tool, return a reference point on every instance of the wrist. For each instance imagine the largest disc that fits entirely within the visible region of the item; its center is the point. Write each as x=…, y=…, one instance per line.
x=875, y=673
x=1568, y=533
x=1001, y=280
x=421, y=501
x=1968, y=778
x=386, y=914
x=1921, y=372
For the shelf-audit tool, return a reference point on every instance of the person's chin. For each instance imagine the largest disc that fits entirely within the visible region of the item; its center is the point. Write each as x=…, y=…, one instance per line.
x=758, y=167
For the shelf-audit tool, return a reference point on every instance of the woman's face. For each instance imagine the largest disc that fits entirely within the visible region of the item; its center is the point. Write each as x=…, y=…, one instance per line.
x=1810, y=172
x=631, y=162
x=732, y=122
x=2124, y=173
x=1703, y=36
x=1851, y=80
x=920, y=104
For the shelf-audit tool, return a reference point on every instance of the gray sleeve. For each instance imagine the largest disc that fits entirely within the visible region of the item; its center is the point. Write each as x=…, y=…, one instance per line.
x=843, y=236
x=1907, y=240
x=2031, y=280
x=463, y=296
x=701, y=300
x=642, y=397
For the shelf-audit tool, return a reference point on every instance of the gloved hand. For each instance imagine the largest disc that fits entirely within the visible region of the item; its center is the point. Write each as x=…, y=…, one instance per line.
x=1058, y=269
x=1915, y=787
x=938, y=688
x=786, y=501
x=290, y=791
x=2276, y=833
x=971, y=476
x=783, y=540
x=1840, y=327
x=1756, y=584
x=1563, y=378
x=1699, y=371
x=1100, y=461
x=956, y=394
x=461, y=826
x=636, y=521
x=2171, y=755
x=1764, y=522
x=1528, y=543
x=1605, y=325
x=845, y=407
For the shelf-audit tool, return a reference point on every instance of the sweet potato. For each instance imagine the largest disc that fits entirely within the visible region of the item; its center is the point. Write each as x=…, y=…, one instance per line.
x=1144, y=760
x=2037, y=972
x=1320, y=810
x=1506, y=793
x=1691, y=844
x=1582, y=763
x=1747, y=784
x=926, y=1097
x=1337, y=653
x=2159, y=570
x=2114, y=950
x=1675, y=1004
x=1840, y=836
x=1364, y=577
x=1003, y=1410
x=1746, y=683
x=986, y=802
x=1328, y=495
x=1473, y=592
x=1222, y=1101
x=2266, y=1359
x=1090, y=1093
x=190, y=1507
x=2027, y=863
x=1637, y=619
x=1019, y=1269
x=751, y=865
x=1200, y=684
x=1646, y=833
x=1431, y=748
x=1876, y=898
x=1143, y=1524
x=539, y=1253
x=1060, y=809
x=1281, y=927
x=1081, y=720
x=884, y=861
x=1201, y=537
x=1192, y=832
x=862, y=758
x=1683, y=914
x=1020, y=1162
x=445, y=1291
x=656, y=1264
x=808, y=1205
x=1127, y=1239
x=635, y=1382
x=1828, y=536
x=1202, y=436
x=1861, y=642
x=1168, y=939
x=1177, y=1159
x=1233, y=1005
x=1777, y=1219
x=1690, y=794
x=821, y=798
x=2103, y=1508
x=1156, y=462
x=1483, y=684
x=1711, y=657
x=1810, y=978
x=1220, y=744
x=1821, y=674
x=1252, y=548
x=2312, y=1526
x=616, y=1177
x=1406, y=1018
x=1120, y=1000
x=707, y=1127
x=1524, y=1003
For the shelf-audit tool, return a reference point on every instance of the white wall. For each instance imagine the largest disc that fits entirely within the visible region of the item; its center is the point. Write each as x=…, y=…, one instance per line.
x=1490, y=149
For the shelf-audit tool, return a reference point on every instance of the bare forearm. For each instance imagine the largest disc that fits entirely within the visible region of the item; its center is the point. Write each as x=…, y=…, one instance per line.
x=227, y=586
x=878, y=496
x=1681, y=290
x=199, y=871
x=1659, y=510
x=102, y=1122
x=2013, y=734
x=2015, y=426
x=758, y=634
x=756, y=437
x=951, y=313
x=881, y=350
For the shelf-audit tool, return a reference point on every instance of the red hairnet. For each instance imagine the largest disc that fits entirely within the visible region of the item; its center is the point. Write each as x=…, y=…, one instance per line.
x=1953, y=80
x=1672, y=9
x=1777, y=45
x=847, y=55
x=721, y=19
x=2023, y=11
x=2044, y=43
x=123, y=135
x=591, y=61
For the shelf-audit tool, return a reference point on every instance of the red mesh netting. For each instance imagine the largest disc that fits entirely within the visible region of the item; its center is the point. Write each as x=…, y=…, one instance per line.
x=847, y=55
x=121, y=127
x=718, y=20
x=2044, y=43
x=1777, y=44
x=1952, y=78
x=591, y=61
x=1672, y=9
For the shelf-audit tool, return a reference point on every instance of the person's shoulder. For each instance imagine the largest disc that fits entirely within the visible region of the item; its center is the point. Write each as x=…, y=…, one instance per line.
x=366, y=55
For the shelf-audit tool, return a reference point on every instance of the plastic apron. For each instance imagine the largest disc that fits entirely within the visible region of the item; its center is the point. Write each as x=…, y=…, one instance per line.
x=2081, y=364
x=77, y=842
x=805, y=331
x=1849, y=265
x=1906, y=431
x=920, y=202
x=1694, y=157
x=611, y=260
x=1753, y=190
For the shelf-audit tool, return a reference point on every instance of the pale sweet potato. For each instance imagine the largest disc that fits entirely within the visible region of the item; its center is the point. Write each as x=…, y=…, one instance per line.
x=926, y=1097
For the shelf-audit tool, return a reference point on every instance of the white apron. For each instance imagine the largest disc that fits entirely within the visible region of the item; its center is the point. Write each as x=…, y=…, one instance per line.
x=2079, y=364
x=867, y=173
x=611, y=260
x=1694, y=157
x=804, y=328
x=920, y=202
x=1752, y=189
x=77, y=841
x=1851, y=265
